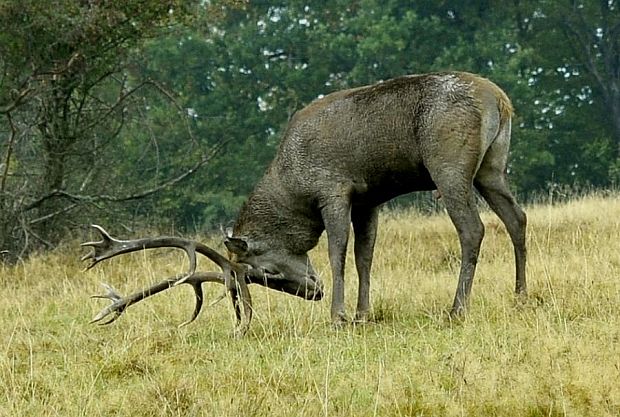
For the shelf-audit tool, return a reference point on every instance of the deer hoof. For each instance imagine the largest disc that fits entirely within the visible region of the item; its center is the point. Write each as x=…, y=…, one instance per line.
x=361, y=317
x=339, y=320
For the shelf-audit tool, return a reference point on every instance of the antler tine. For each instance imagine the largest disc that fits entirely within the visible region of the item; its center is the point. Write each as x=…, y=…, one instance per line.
x=235, y=276
x=98, y=246
x=198, y=293
x=115, y=307
x=190, y=250
x=109, y=247
x=246, y=300
x=110, y=294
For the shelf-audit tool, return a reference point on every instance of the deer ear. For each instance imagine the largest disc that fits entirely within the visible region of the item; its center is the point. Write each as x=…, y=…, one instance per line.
x=236, y=245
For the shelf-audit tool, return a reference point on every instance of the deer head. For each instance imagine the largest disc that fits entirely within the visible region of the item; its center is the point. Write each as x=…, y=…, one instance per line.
x=288, y=272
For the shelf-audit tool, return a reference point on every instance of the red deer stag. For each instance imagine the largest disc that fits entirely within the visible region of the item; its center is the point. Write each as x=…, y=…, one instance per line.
x=340, y=158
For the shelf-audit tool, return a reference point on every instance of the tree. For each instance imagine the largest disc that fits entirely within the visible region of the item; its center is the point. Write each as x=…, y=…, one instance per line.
x=575, y=65
x=65, y=96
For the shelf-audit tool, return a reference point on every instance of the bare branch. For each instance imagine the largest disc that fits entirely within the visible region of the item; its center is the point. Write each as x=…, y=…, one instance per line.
x=111, y=109
x=21, y=97
x=56, y=72
x=25, y=90
x=170, y=97
x=53, y=214
x=130, y=197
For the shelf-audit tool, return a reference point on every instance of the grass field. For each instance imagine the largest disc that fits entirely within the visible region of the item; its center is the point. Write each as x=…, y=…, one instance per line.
x=555, y=354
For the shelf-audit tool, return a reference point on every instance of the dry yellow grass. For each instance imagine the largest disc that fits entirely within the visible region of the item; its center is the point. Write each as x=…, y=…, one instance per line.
x=555, y=354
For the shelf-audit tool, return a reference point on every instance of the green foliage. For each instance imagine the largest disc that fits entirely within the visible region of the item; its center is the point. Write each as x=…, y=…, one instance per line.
x=234, y=72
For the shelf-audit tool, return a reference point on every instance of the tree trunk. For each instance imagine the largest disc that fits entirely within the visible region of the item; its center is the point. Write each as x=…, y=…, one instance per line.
x=615, y=114
x=57, y=137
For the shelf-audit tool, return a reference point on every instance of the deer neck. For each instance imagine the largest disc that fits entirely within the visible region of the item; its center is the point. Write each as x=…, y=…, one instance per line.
x=274, y=218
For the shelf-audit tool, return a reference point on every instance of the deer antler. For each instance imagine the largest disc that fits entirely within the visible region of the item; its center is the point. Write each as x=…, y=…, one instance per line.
x=109, y=247
x=120, y=303
x=233, y=275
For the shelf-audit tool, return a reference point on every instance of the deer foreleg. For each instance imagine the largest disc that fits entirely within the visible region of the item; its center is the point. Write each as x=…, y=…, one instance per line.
x=337, y=219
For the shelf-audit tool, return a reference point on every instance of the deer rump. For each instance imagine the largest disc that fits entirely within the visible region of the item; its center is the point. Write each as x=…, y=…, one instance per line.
x=340, y=158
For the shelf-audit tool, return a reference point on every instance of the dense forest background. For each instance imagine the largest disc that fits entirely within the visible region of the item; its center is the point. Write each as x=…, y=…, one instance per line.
x=148, y=113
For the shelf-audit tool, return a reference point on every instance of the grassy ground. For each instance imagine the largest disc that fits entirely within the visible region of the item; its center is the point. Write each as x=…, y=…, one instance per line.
x=556, y=354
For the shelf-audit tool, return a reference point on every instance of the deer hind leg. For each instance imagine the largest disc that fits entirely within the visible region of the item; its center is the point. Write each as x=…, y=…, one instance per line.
x=492, y=185
x=458, y=194
x=365, y=229
x=336, y=216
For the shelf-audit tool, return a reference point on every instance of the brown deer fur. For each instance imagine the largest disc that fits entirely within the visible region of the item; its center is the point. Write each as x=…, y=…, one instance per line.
x=345, y=154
